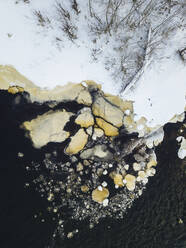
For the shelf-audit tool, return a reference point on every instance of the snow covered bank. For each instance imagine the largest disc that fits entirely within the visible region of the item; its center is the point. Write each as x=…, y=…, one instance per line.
x=46, y=56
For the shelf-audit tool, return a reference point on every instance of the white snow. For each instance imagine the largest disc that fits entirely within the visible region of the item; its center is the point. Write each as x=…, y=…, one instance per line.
x=34, y=52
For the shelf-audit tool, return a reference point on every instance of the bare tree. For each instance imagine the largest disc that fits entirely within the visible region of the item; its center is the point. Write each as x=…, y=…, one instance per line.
x=65, y=20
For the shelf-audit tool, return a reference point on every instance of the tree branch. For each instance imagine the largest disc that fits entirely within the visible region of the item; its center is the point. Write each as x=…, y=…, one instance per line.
x=142, y=69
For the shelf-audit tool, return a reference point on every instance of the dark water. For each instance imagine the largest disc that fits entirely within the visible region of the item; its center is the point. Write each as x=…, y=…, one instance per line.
x=152, y=222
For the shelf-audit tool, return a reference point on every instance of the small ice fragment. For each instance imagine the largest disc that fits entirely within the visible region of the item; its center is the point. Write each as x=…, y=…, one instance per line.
x=140, y=192
x=84, y=84
x=179, y=138
x=182, y=153
x=124, y=181
x=140, y=127
x=104, y=184
x=126, y=167
x=100, y=188
x=105, y=202
x=138, y=179
x=136, y=166
x=136, y=118
x=145, y=180
x=20, y=154
x=70, y=235
x=127, y=112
